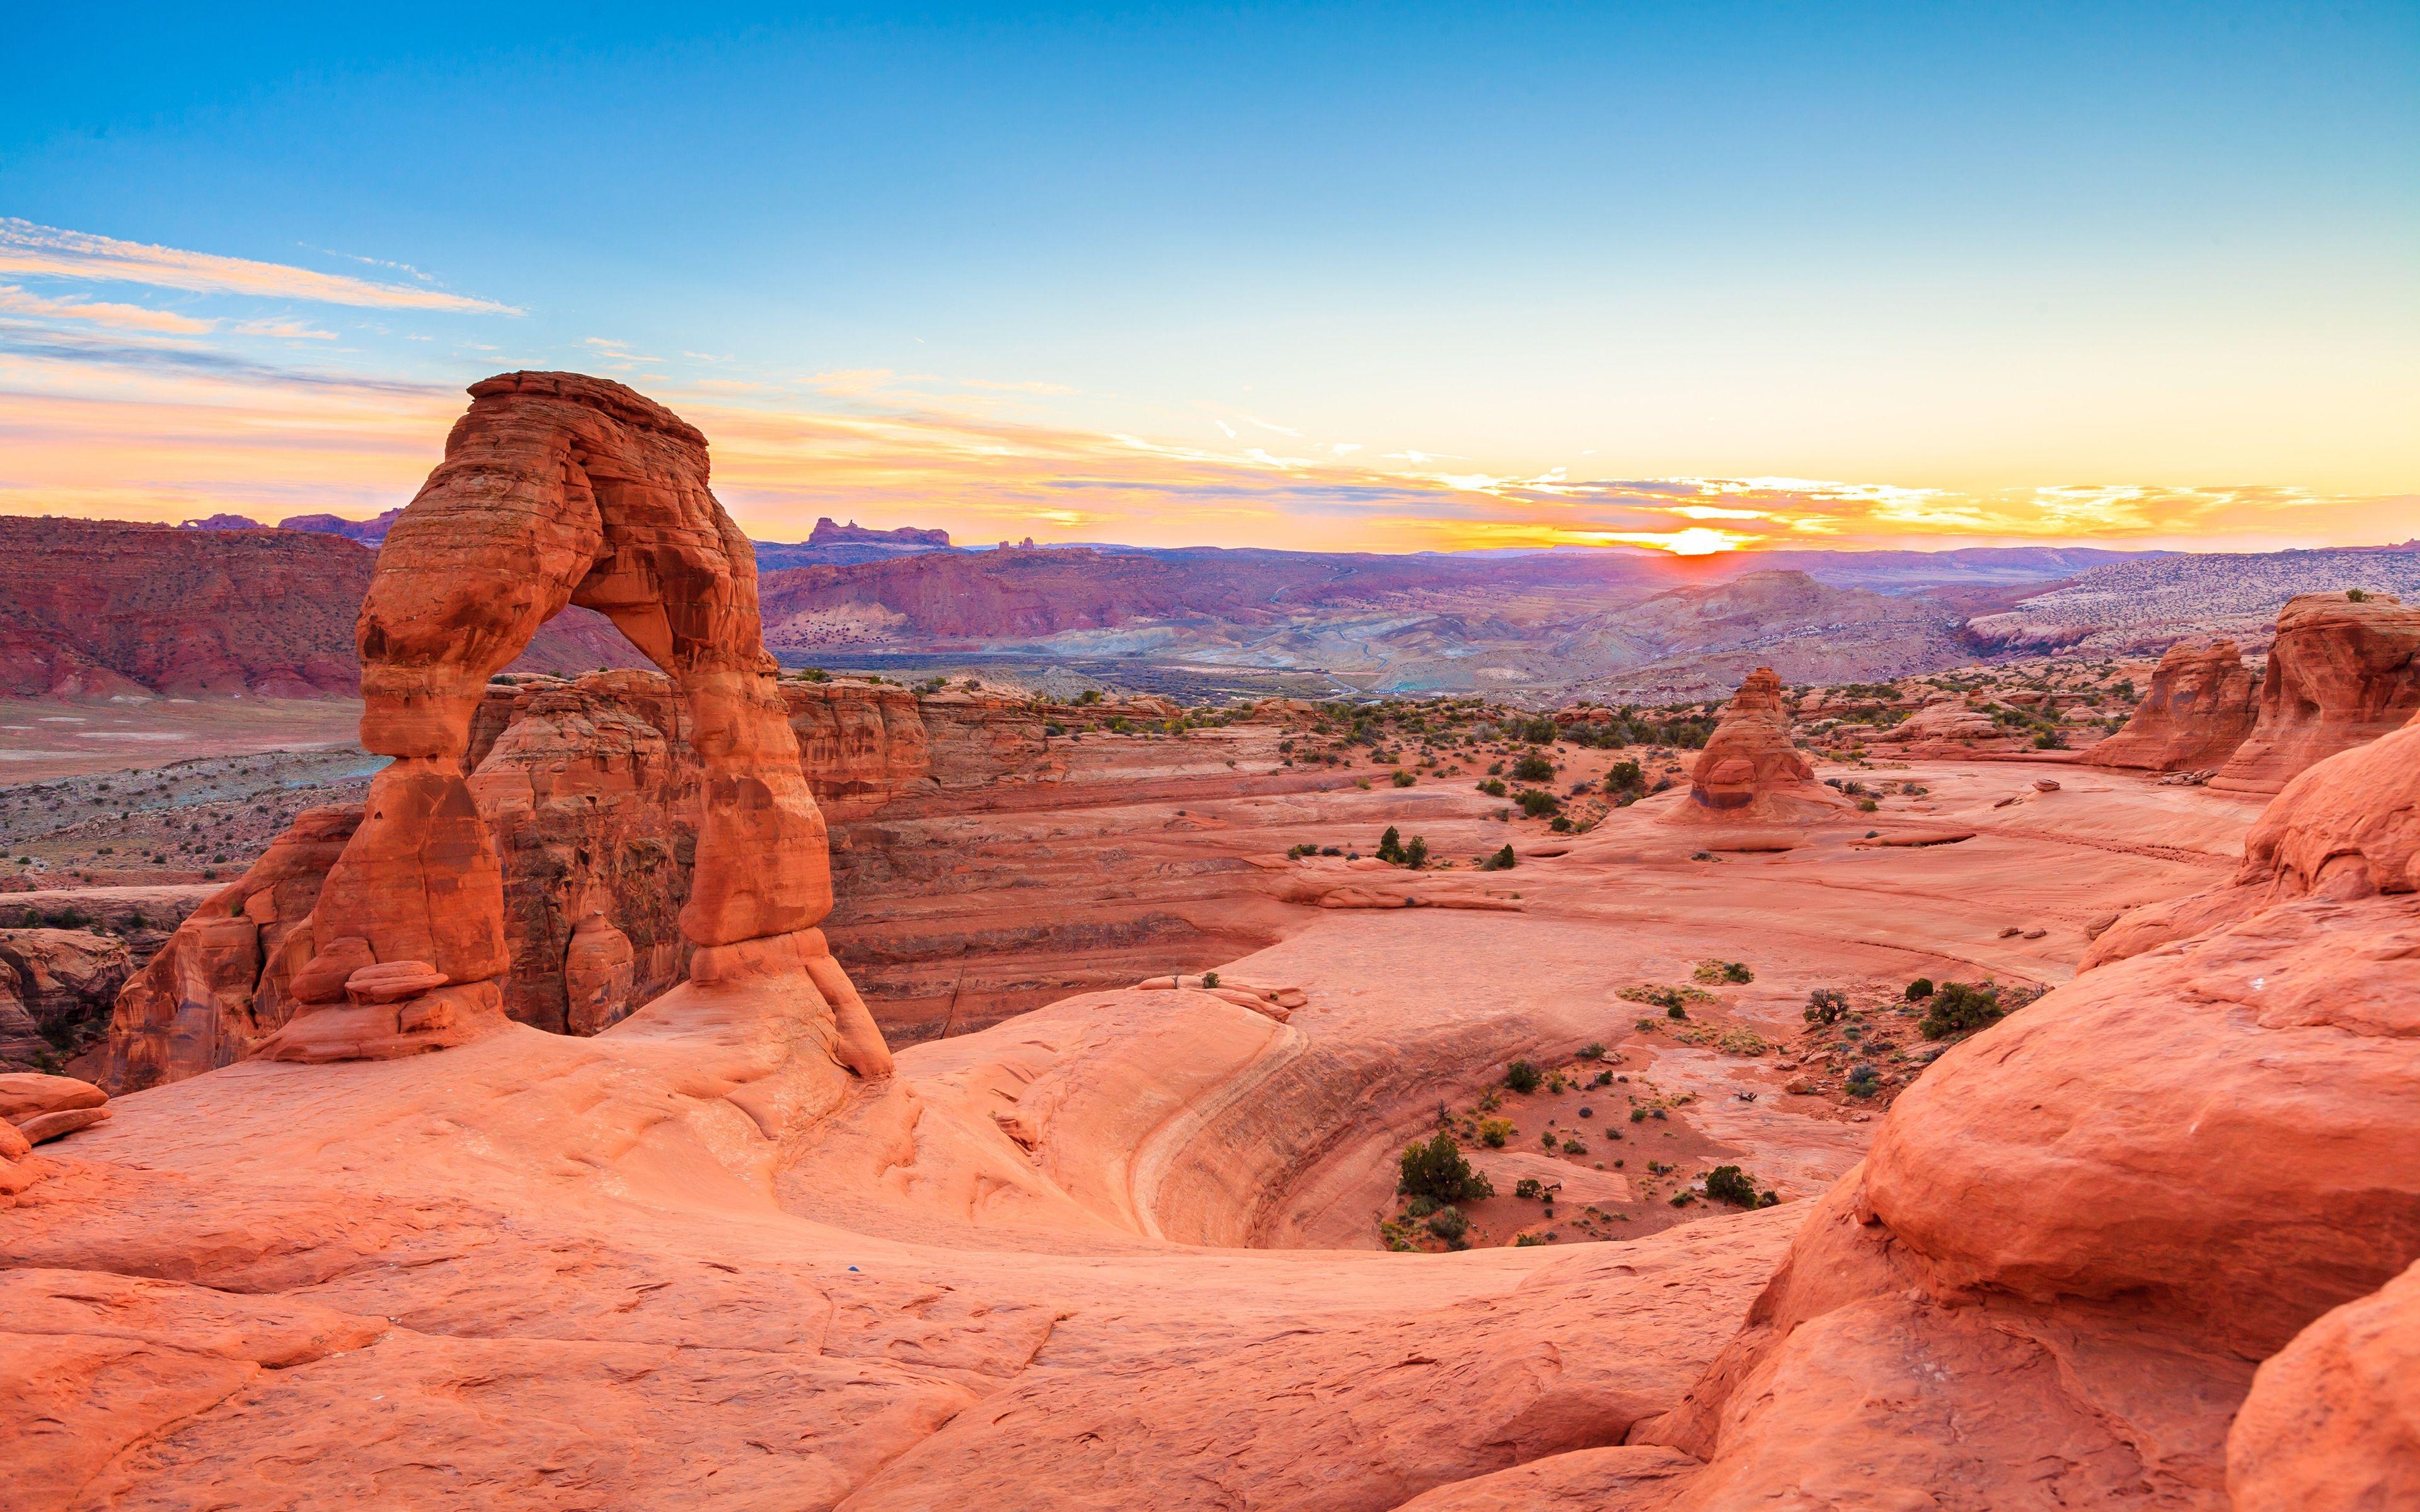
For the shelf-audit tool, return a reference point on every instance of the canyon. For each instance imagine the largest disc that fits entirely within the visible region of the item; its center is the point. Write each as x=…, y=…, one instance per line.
x=1953, y=1121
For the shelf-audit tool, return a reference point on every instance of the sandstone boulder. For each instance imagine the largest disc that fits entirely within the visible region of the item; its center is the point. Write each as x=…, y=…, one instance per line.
x=2341, y=674
x=2200, y=707
x=25, y=1095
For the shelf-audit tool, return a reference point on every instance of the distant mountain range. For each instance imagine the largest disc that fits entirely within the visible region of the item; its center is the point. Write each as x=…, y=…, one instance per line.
x=227, y=605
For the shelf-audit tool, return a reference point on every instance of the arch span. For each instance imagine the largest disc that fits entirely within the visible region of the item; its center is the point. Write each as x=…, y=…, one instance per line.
x=557, y=489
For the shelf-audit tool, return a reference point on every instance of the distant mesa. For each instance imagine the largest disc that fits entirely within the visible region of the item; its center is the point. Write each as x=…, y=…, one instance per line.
x=223, y=522
x=367, y=531
x=827, y=533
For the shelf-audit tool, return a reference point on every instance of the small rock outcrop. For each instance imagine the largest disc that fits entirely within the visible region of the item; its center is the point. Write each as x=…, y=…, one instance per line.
x=1750, y=770
x=35, y=1109
x=2342, y=672
x=2200, y=707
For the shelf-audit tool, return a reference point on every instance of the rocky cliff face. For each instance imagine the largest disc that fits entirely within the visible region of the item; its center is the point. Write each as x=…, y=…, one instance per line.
x=57, y=986
x=2341, y=673
x=590, y=788
x=97, y=608
x=2200, y=707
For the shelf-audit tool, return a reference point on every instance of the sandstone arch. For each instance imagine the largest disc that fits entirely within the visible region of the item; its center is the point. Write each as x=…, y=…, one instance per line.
x=557, y=490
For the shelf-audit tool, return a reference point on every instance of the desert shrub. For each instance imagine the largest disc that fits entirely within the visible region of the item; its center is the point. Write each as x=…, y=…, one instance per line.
x=1604, y=1078
x=1500, y=861
x=1957, y=1007
x=1493, y=788
x=1529, y=1187
x=1438, y=1171
x=1825, y=1005
x=1528, y=1241
x=1297, y=852
x=1391, y=845
x=1723, y=971
x=1863, y=1081
x=1493, y=1133
x=1573, y=1147
x=1536, y=802
x=1523, y=1076
x=1676, y=1011
x=1533, y=768
x=1625, y=777
x=1209, y=978
x=1405, y=779
x=1450, y=1225
x=1920, y=989
x=1415, y=852
x=1638, y=1115
x=2357, y=595
x=1729, y=1183
x=1591, y=1050
x=1538, y=731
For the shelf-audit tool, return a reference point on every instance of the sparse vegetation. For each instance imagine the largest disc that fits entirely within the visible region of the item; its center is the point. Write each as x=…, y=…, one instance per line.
x=1960, y=1007
x=1825, y=1005
x=1523, y=1076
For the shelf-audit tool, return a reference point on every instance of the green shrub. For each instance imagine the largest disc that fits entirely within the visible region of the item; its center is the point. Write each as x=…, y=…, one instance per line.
x=1529, y=1187
x=1591, y=1050
x=1920, y=989
x=1533, y=768
x=1494, y=1132
x=1415, y=854
x=1493, y=788
x=1729, y=1183
x=1625, y=777
x=1537, y=802
x=1526, y=1241
x=1825, y=1005
x=1405, y=779
x=1523, y=1076
x=1500, y=861
x=1438, y=1171
x=1209, y=978
x=1391, y=845
x=1450, y=1225
x=1957, y=1007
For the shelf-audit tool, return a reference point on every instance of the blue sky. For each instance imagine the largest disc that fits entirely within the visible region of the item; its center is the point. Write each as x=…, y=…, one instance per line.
x=2018, y=272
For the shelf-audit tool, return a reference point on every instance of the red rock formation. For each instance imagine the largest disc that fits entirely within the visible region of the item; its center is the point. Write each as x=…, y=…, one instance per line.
x=2198, y=710
x=224, y=982
x=829, y=533
x=2341, y=673
x=555, y=489
x=1750, y=770
x=35, y=1109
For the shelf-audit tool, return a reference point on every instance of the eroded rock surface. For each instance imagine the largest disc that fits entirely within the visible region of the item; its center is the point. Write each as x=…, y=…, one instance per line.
x=2201, y=704
x=2341, y=673
x=1750, y=770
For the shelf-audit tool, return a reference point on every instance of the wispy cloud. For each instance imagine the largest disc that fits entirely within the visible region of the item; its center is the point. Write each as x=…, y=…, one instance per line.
x=40, y=251
x=15, y=301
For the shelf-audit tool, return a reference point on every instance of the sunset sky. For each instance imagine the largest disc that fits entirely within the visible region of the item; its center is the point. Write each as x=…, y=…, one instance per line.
x=1384, y=277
